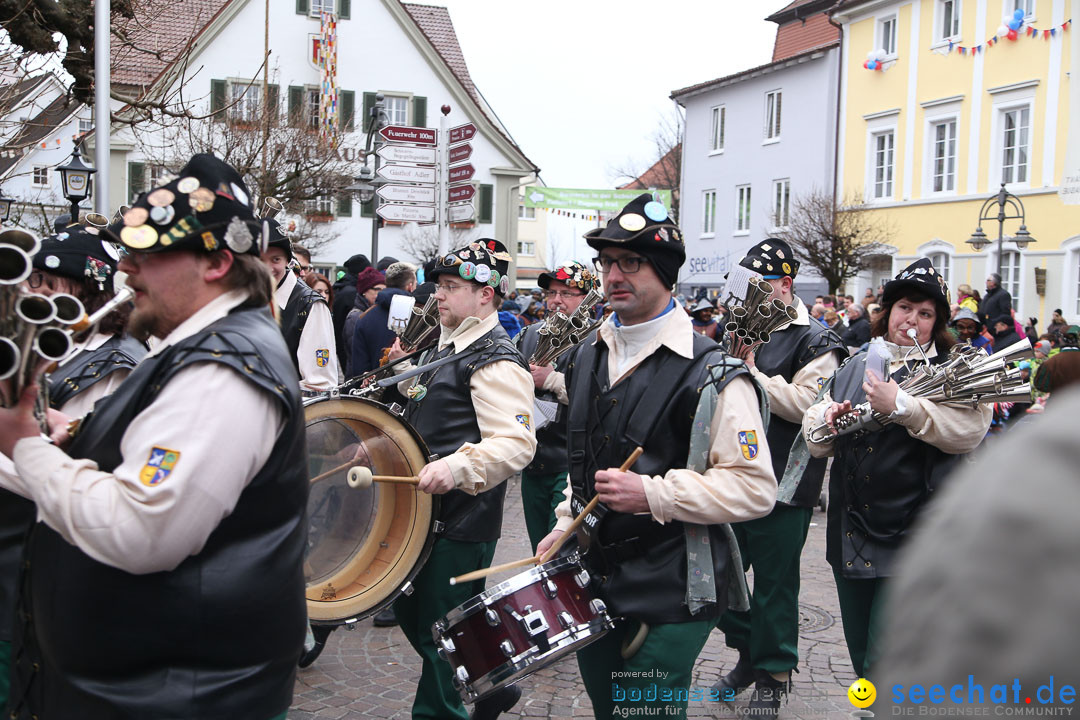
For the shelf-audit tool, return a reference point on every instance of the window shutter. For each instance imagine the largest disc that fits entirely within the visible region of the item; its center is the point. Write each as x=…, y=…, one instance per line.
x=217, y=99
x=273, y=98
x=348, y=105
x=369, y=103
x=296, y=105
x=419, y=112
x=344, y=204
x=487, y=193
x=368, y=209
x=779, y=97
x=301, y=7
x=344, y=9
x=136, y=180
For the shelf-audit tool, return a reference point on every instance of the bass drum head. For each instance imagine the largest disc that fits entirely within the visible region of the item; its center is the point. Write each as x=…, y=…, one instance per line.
x=363, y=544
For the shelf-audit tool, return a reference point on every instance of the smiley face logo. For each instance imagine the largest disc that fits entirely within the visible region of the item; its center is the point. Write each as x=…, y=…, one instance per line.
x=862, y=693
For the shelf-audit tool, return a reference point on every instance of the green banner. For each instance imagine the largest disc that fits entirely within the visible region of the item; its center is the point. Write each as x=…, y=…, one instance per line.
x=580, y=199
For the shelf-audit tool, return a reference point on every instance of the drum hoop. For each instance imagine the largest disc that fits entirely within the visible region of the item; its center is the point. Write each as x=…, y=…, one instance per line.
x=510, y=586
x=319, y=607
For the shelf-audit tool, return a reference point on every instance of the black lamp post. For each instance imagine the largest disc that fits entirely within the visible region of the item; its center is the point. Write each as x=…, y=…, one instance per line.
x=1008, y=207
x=75, y=177
x=369, y=179
x=5, y=207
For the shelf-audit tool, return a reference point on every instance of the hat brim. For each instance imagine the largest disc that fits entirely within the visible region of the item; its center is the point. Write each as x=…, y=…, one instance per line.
x=897, y=289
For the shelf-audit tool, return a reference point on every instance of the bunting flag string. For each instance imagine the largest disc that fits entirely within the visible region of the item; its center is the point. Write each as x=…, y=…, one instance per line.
x=1011, y=34
x=572, y=215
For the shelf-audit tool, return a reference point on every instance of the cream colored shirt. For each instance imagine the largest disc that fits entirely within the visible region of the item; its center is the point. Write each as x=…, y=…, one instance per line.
x=733, y=488
x=791, y=400
x=954, y=430
x=502, y=397
x=222, y=429
x=316, y=342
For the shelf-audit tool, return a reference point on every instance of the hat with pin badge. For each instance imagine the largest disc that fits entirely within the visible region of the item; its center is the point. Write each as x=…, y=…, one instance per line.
x=79, y=253
x=771, y=258
x=206, y=207
x=485, y=261
x=919, y=278
x=645, y=226
x=573, y=274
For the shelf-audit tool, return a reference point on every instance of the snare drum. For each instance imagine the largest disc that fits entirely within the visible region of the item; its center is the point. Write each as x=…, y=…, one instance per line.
x=364, y=546
x=520, y=626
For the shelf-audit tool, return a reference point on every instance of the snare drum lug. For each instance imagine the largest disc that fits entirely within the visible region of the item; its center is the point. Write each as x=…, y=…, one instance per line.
x=582, y=578
x=396, y=409
x=350, y=624
x=597, y=605
x=461, y=676
x=335, y=393
x=407, y=589
x=432, y=457
x=440, y=626
x=566, y=620
x=438, y=527
x=550, y=588
x=492, y=618
x=446, y=646
x=507, y=648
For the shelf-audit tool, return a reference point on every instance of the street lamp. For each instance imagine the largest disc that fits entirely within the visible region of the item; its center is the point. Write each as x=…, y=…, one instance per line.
x=75, y=177
x=367, y=178
x=5, y=207
x=364, y=187
x=1004, y=200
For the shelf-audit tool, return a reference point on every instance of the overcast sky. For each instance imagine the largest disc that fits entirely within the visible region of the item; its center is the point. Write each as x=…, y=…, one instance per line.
x=582, y=84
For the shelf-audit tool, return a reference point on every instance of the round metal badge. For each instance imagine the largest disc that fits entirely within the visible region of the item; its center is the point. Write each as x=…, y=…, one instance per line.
x=140, y=237
x=504, y=285
x=136, y=216
x=656, y=211
x=161, y=197
x=162, y=215
x=238, y=193
x=186, y=185
x=632, y=222
x=493, y=281
x=52, y=261
x=202, y=199
x=467, y=270
x=110, y=250
x=483, y=273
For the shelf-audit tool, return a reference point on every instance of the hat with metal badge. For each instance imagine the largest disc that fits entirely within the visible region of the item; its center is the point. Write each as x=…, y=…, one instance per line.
x=921, y=277
x=771, y=258
x=644, y=226
x=206, y=207
x=573, y=274
x=485, y=261
x=79, y=253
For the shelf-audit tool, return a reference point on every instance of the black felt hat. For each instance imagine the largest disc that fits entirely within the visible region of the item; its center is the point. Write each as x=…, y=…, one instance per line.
x=207, y=207
x=772, y=259
x=485, y=261
x=644, y=226
x=920, y=276
x=79, y=253
x=278, y=239
x=572, y=273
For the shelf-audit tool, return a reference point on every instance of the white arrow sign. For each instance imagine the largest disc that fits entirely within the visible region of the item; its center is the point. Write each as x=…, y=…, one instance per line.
x=407, y=154
x=407, y=213
x=408, y=193
x=461, y=213
x=407, y=173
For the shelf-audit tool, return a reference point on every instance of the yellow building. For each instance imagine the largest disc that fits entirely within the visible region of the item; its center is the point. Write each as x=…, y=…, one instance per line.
x=532, y=254
x=954, y=111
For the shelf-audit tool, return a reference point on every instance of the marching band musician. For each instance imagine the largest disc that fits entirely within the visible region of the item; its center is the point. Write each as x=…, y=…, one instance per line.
x=79, y=262
x=647, y=379
x=880, y=480
x=543, y=481
x=306, y=322
x=791, y=367
x=180, y=497
x=476, y=415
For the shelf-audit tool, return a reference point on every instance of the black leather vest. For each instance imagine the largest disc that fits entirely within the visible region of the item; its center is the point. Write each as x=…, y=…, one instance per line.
x=446, y=420
x=641, y=564
x=81, y=372
x=17, y=514
x=217, y=637
x=878, y=484
x=295, y=314
x=550, y=457
x=787, y=352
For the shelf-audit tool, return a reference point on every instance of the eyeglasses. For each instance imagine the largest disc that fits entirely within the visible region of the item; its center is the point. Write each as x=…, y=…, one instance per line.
x=449, y=289
x=35, y=280
x=628, y=264
x=305, y=268
x=549, y=294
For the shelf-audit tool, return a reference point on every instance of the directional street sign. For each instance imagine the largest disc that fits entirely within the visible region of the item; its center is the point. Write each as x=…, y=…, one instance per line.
x=407, y=193
x=407, y=213
x=461, y=213
x=461, y=152
x=409, y=154
x=416, y=135
x=461, y=133
x=461, y=173
x=461, y=192
x=407, y=173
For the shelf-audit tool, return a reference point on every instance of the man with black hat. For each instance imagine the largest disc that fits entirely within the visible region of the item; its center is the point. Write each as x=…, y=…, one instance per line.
x=475, y=413
x=345, y=296
x=701, y=315
x=305, y=318
x=79, y=262
x=648, y=380
x=543, y=482
x=180, y=497
x=792, y=367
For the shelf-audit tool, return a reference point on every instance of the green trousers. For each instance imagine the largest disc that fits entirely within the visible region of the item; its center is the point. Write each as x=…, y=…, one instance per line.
x=769, y=631
x=860, y=610
x=434, y=596
x=5, y=673
x=540, y=495
x=658, y=675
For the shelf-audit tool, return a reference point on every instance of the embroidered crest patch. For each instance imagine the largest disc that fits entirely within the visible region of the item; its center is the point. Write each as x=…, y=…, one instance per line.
x=322, y=357
x=821, y=382
x=160, y=463
x=524, y=420
x=748, y=443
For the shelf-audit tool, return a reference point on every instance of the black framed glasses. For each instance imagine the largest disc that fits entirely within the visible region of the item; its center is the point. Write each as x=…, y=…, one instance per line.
x=551, y=294
x=628, y=264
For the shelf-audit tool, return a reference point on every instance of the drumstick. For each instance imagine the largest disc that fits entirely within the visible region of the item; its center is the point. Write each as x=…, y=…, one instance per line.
x=539, y=559
x=334, y=471
x=360, y=477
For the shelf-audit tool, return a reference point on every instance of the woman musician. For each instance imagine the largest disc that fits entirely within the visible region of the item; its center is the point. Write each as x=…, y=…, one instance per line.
x=880, y=480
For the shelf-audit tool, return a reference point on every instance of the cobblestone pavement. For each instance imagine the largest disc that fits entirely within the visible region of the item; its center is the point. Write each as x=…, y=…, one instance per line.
x=372, y=672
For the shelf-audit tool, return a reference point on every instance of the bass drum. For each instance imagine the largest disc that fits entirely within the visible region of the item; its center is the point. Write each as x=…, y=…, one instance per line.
x=364, y=545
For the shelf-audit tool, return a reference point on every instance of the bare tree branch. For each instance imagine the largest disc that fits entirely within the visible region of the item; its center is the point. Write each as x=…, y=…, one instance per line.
x=664, y=171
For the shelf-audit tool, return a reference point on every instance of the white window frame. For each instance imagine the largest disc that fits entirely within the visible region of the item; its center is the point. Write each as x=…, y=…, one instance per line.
x=774, y=106
x=930, y=176
x=526, y=213
x=245, y=110
x=872, y=166
x=1006, y=282
x=998, y=151
x=321, y=205
x=742, y=220
x=942, y=262
x=781, y=210
x=311, y=107
x=1030, y=9
x=882, y=33
x=708, y=213
x=318, y=6
x=36, y=182
x=398, y=115
x=527, y=247
x=944, y=35
x=86, y=125
x=717, y=120
x=1070, y=280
